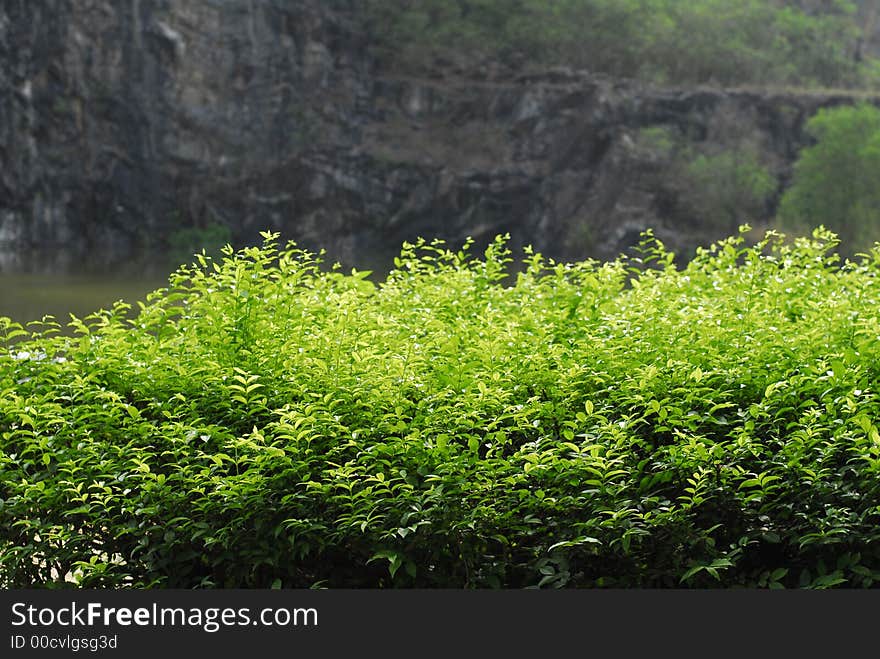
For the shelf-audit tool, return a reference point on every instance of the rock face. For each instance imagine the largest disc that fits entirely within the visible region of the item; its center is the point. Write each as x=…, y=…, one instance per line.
x=122, y=123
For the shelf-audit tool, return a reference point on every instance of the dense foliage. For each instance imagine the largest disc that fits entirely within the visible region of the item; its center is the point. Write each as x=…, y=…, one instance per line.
x=835, y=179
x=263, y=422
x=666, y=41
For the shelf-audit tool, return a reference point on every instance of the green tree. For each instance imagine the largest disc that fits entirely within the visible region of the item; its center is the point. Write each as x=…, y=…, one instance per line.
x=835, y=179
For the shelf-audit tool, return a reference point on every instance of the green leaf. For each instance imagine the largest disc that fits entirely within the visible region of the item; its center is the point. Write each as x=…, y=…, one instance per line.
x=778, y=573
x=687, y=576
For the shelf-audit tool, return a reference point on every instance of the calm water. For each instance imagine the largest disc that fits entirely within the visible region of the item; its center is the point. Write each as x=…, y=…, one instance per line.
x=25, y=297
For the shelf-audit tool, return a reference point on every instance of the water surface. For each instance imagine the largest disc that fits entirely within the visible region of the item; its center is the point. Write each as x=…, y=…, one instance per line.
x=30, y=296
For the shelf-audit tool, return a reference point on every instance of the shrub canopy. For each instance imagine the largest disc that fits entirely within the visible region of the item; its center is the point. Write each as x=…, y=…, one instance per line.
x=261, y=421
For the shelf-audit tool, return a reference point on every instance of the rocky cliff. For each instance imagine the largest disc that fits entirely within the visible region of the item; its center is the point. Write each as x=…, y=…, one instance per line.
x=122, y=123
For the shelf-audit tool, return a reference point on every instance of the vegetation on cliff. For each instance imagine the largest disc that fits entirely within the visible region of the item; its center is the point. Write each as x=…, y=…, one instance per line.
x=264, y=422
x=664, y=41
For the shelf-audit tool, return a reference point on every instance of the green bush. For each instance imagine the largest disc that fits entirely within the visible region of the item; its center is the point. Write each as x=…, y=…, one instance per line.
x=721, y=183
x=835, y=179
x=730, y=188
x=263, y=422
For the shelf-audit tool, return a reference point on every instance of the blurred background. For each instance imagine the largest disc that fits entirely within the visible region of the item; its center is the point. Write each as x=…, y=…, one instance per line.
x=133, y=134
